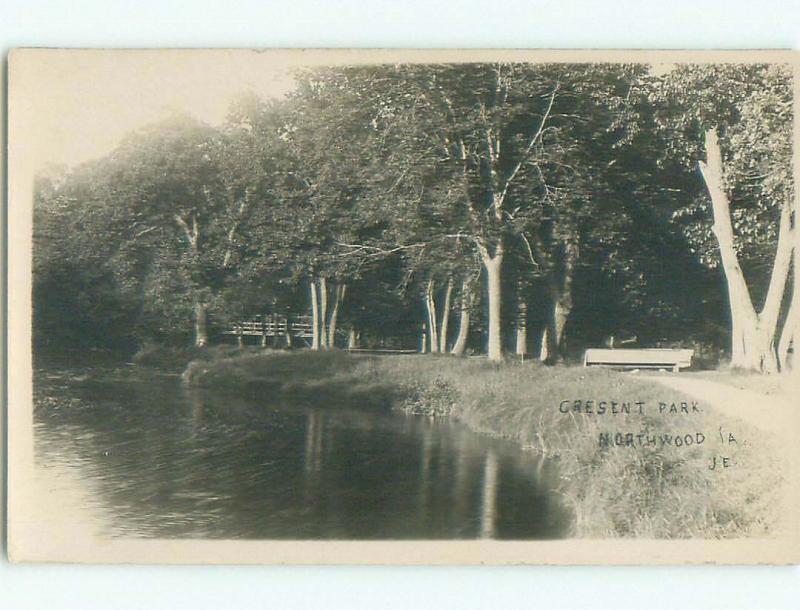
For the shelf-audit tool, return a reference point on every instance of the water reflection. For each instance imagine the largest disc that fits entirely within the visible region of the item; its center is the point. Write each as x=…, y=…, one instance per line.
x=426, y=449
x=315, y=429
x=489, y=500
x=461, y=480
x=195, y=397
x=164, y=460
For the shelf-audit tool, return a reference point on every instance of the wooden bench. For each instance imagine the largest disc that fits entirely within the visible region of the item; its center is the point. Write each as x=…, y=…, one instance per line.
x=655, y=358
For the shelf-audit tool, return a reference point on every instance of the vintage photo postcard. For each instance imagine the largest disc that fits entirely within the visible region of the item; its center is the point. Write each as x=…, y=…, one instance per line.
x=411, y=307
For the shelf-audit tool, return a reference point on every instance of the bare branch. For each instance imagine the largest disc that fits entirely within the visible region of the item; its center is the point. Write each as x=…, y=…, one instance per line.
x=375, y=251
x=499, y=200
x=190, y=233
x=145, y=232
x=530, y=251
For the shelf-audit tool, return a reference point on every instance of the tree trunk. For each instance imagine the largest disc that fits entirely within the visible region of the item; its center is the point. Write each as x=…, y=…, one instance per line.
x=560, y=302
x=445, y=317
x=460, y=346
x=521, y=347
x=352, y=339
x=789, y=333
x=791, y=326
x=323, y=312
x=200, y=325
x=192, y=234
x=339, y=297
x=493, y=266
x=752, y=333
x=315, y=343
x=544, y=346
x=430, y=307
x=561, y=313
x=754, y=344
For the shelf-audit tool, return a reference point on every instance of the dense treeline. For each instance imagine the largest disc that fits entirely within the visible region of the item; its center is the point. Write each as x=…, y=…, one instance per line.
x=528, y=208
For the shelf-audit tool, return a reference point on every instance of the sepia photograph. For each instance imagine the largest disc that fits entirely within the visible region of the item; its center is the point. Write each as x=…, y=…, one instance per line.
x=403, y=306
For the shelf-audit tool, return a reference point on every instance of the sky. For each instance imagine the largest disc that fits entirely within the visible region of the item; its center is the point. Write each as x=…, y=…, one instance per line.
x=85, y=102
x=79, y=104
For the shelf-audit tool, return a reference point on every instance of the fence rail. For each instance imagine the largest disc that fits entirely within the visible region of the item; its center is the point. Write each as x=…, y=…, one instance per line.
x=273, y=325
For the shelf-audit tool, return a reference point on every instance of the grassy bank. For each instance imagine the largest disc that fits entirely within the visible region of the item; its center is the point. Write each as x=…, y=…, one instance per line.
x=175, y=358
x=633, y=489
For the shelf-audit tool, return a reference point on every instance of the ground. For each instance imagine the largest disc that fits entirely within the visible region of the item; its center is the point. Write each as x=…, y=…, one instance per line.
x=768, y=407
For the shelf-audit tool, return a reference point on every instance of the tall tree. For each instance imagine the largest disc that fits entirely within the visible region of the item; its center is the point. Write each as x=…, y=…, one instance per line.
x=734, y=123
x=500, y=137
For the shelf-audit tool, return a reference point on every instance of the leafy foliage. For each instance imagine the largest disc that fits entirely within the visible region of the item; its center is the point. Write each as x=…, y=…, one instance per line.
x=386, y=176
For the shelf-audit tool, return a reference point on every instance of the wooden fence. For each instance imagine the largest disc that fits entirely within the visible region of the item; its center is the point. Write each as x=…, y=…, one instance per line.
x=273, y=325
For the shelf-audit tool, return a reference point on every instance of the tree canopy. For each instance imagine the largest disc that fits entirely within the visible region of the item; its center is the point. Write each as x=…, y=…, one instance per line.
x=577, y=200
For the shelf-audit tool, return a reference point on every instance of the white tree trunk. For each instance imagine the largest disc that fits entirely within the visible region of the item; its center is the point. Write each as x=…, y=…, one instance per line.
x=789, y=333
x=752, y=333
x=493, y=266
x=521, y=347
x=791, y=326
x=323, y=312
x=339, y=297
x=430, y=307
x=460, y=346
x=315, y=343
x=560, y=316
x=352, y=339
x=754, y=345
x=192, y=235
x=544, y=346
x=445, y=317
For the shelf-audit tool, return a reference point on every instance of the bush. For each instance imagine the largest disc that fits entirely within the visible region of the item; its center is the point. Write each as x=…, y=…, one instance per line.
x=434, y=399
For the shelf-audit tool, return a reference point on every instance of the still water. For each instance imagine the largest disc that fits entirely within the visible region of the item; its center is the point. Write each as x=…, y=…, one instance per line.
x=131, y=453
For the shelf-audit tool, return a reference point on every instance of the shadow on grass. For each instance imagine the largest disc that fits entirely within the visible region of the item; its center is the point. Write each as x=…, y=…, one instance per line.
x=331, y=379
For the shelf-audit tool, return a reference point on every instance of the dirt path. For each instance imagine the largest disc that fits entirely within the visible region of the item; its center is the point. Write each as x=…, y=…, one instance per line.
x=770, y=412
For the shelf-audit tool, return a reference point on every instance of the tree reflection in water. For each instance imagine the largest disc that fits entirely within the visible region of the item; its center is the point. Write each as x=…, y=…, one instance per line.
x=162, y=459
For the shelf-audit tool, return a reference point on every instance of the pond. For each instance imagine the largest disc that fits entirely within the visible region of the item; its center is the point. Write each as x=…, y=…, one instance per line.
x=128, y=452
